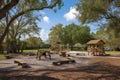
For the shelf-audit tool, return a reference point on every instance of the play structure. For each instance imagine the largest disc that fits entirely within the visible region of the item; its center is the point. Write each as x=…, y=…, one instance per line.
x=95, y=47
x=60, y=49
x=45, y=53
x=55, y=47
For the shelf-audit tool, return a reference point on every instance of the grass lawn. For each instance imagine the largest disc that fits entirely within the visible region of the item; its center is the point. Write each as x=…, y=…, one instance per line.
x=2, y=57
x=29, y=51
x=113, y=52
x=35, y=50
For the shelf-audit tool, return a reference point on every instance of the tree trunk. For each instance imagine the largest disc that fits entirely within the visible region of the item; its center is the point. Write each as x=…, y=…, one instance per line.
x=19, y=14
x=6, y=8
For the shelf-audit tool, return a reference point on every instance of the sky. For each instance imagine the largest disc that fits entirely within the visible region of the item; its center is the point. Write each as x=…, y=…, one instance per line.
x=65, y=16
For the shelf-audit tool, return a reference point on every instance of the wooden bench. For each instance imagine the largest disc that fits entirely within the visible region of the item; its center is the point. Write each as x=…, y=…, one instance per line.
x=21, y=63
x=63, y=62
x=69, y=58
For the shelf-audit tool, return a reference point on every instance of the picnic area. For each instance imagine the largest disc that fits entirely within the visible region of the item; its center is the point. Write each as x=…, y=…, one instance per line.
x=92, y=67
x=59, y=39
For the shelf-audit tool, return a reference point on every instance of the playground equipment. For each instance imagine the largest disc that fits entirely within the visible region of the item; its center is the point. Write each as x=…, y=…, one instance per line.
x=60, y=49
x=45, y=53
x=95, y=47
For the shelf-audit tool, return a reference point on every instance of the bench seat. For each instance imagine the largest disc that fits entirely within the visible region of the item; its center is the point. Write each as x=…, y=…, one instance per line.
x=63, y=62
x=22, y=63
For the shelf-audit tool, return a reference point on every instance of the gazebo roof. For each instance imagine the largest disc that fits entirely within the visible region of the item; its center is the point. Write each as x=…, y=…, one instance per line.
x=96, y=42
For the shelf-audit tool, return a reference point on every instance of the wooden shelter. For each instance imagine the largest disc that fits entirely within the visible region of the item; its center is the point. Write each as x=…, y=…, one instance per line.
x=95, y=47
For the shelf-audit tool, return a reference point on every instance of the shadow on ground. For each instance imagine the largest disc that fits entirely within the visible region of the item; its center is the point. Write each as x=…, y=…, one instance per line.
x=28, y=78
x=95, y=71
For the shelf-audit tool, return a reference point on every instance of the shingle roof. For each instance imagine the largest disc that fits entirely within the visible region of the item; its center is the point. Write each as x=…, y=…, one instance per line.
x=95, y=42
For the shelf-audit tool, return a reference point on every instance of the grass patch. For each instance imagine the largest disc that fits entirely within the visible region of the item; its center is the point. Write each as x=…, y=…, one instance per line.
x=113, y=52
x=2, y=57
x=35, y=50
x=27, y=51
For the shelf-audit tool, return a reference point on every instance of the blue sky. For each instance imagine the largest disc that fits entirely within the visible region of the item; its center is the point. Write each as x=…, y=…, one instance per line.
x=65, y=16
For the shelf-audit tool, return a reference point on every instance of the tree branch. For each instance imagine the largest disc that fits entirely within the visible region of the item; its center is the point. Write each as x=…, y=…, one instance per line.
x=23, y=12
x=7, y=7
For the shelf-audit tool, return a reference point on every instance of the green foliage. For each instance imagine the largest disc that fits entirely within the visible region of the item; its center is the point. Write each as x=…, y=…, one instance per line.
x=99, y=10
x=32, y=4
x=27, y=7
x=45, y=46
x=114, y=26
x=2, y=57
x=70, y=34
x=109, y=36
x=93, y=10
x=33, y=43
x=12, y=45
x=55, y=34
x=76, y=34
x=101, y=34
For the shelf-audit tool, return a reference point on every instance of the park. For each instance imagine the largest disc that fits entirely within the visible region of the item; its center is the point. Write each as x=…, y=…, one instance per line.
x=59, y=40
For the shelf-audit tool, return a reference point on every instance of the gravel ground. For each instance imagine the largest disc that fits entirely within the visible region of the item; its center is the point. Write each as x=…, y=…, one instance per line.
x=43, y=63
x=85, y=68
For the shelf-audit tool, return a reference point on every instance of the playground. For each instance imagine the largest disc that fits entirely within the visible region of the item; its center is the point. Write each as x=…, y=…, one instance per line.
x=59, y=39
x=85, y=67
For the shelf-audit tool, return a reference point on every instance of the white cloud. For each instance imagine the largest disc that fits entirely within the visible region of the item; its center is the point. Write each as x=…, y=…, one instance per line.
x=46, y=19
x=43, y=35
x=71, y=15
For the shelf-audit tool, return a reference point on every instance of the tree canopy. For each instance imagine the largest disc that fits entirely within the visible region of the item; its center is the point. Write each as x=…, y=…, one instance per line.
x=94, y=10
x=70, y=34
x=106, y=12
x=5, y=7
x=99, y=10
x=24, y=7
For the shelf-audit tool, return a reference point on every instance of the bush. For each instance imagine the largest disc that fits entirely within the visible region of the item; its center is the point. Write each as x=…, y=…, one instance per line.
x=78, y=48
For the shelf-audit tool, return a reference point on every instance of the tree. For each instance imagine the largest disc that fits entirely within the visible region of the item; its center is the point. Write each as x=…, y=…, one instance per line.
x=95, y=10
x=22, y=26
x=76, y=34
x=34, y=42
x=83, y=34
x=105, y=11
x=70, y=34
x=108, y=35
x=56, y=34
x=98, y=10
x=4, y=8
x=101, y=33
x=28, y=6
